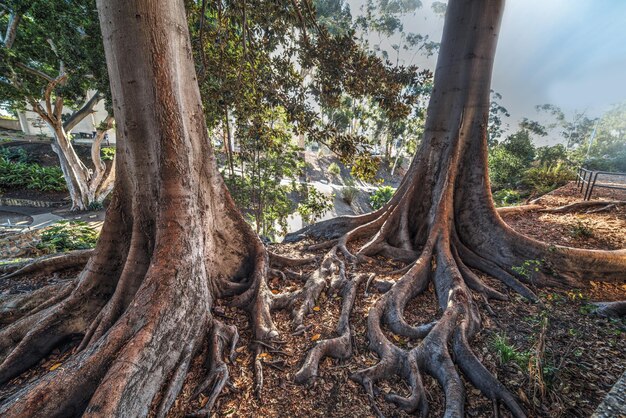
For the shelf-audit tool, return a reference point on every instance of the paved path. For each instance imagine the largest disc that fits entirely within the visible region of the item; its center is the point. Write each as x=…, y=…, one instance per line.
x=41, y=217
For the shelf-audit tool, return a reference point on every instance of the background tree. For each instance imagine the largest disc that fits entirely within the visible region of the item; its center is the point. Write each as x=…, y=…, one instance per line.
x=51, y=58
x=605, y=147
x=496, y=113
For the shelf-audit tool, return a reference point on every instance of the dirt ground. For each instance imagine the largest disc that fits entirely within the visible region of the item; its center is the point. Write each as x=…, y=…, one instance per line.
x=604, y=230
x=583, y=355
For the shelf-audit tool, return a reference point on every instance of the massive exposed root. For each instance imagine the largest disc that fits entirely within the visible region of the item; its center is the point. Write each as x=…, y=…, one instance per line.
x=126, y=364
x=49, y=264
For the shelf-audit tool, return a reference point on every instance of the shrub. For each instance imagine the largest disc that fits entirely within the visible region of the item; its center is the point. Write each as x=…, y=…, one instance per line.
x=549, y=156
x=581, y=230
x=505, y=169
x=381, y=196
x=15, y=155
x=334, y=169
x=67, y=236
x=349, y=192
x=30, y=176
x=545, y=179
x=107, y=153
x=506, y=197
x=95, y=206
x=521, y=146
x=314, y=205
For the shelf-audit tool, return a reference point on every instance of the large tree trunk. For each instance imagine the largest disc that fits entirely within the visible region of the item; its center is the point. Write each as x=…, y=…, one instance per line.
x=173, y=241
x=442, y=221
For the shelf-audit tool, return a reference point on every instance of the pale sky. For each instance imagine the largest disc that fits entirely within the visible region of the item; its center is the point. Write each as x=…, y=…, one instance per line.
x=571, y=53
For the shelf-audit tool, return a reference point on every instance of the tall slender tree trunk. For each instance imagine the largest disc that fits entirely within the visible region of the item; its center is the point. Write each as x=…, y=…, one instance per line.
x=86, y=186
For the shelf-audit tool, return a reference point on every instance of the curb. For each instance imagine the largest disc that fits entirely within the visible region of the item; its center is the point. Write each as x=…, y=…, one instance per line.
x=614, y=404
x=9, y=201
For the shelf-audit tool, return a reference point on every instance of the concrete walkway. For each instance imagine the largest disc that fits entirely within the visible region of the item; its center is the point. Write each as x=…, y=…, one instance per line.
x=41, y=217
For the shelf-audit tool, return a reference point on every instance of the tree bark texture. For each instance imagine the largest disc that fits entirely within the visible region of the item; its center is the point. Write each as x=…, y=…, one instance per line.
x=172, y=242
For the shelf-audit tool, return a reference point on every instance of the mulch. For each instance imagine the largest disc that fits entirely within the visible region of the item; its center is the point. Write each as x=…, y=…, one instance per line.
x=604, y=230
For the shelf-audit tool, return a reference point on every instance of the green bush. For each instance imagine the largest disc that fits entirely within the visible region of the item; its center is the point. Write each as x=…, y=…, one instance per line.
x=349, y=192
x=505, y=169
x=314, y=204
x=19, y=175
x=521, y=146
x=549, y=156
x=15, y=155
x=545, y=179
x=67, y=236
x=107, y=153
x=506, y=197
x=616, y=162
x=381, y=196
x=334, y=169
x=95, y=206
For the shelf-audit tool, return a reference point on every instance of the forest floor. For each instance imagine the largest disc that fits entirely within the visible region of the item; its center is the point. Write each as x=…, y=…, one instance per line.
x=583, y=354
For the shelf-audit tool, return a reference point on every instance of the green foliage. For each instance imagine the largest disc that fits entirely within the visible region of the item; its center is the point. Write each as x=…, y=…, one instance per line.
x=496, y=112
x=334, y=169
x=243, y=72
x=314, y=204
x=509, y=159
x=608, y=150
x=506, y=197
x=439, y=8
x=17, y=175
x=349, y=192
x=528, y=268
x=50, y=32
x=15, y=155
x=381, y=196
x=266, y=157
x=365, y=168
x=508, y=353
x=107, y=153
x=581, y=230
x=545, y=179
x=94, y=206
x=549, y=156
x=68, y=236
x=505, y=169
x=520, y=145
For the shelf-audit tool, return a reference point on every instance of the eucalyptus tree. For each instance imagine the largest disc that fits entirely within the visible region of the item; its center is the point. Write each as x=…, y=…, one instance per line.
x=52, y=62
